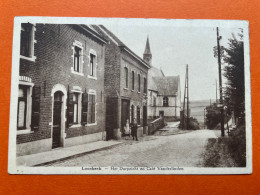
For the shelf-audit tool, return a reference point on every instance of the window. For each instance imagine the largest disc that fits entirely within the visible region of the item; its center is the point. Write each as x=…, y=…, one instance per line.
x=138, y=115
x=139, y=83
x=165, y=101
x=27, y=41
x=145, y=86
x=28, y=108
x=126, y=77
x=92, y=65
x=133, y=80
x=92, y=108
x=77, y=59
x=75, y=108
x=22, y=107
x=77, y=56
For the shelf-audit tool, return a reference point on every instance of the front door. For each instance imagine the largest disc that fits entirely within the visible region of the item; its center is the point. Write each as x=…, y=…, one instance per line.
x=111, y=116
x=161, y=113
x=144, y=116
x=124, y=113
x=56, y=131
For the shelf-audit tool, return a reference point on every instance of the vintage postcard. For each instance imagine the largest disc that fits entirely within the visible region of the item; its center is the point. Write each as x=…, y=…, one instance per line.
x=130, y=96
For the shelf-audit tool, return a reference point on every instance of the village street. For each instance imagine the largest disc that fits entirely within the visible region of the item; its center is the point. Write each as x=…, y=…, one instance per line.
x=183, y=150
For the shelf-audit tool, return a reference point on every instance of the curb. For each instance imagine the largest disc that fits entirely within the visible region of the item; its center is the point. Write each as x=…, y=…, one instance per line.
x=76, y=155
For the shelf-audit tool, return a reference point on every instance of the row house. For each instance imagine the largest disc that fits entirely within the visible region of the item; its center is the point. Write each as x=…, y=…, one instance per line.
x=61, y=87
x=164, y=93
x=125, y=86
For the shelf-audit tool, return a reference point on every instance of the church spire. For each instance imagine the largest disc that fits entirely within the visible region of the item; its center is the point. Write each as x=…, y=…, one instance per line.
x=147, y=47
x=147, y=56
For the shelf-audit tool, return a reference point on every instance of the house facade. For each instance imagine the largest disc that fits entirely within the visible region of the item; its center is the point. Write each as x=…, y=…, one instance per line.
x=164, y=94
x=125, y=87
x=153, y=111
x=168, y=99
x=61, y=87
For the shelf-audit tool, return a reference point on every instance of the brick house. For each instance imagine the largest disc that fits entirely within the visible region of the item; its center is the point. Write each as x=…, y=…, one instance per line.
x=125, y=86
x=164, y=94
x=61, y=87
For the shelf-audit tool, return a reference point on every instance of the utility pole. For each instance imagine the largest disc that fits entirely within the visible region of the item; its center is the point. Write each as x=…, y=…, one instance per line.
x=183, y=113
x=186, y=97
x=216, y=91
x=220, y=86
x=204, y=118
x=188, y=113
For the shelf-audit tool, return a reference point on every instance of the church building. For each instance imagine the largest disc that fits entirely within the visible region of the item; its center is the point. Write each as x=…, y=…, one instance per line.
x=164, y=93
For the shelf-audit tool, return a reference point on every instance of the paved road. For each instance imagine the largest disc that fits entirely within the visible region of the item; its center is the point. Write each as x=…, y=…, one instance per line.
x=183, y=150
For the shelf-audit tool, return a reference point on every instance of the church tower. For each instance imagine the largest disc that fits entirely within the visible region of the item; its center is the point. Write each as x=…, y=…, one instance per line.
x=147, y=56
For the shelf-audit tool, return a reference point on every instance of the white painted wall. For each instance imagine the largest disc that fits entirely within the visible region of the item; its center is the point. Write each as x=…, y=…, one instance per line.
x=169, y=111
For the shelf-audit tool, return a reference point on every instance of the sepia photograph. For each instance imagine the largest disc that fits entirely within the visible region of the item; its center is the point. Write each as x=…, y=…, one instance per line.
x=130, y=96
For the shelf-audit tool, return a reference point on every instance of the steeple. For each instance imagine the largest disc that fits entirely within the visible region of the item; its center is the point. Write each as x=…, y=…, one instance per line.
x=147, y=56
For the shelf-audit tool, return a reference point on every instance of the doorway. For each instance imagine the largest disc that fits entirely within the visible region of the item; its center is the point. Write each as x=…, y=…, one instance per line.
x=57, y=110
x=144, y=116
x=125, y=108
x=161, y=113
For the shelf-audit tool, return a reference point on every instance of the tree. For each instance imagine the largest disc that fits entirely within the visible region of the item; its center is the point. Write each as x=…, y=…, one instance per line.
x=234, y=73
x=213, y=116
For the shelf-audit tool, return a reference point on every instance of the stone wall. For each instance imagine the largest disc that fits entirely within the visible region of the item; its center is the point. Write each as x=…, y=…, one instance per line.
x=155, y=125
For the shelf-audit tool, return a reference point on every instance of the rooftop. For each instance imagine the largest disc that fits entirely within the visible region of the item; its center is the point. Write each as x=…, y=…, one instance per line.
x=168, y=85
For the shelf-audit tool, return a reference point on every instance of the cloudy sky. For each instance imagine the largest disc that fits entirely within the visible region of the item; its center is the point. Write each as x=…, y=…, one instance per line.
x=173, y=47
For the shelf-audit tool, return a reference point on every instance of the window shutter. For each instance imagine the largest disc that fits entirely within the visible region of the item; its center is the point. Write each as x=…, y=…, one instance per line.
x=90, y=109
x=70, y=110
x=84, y=116
x=35, y=120
x=92, y=106
x=93, y=109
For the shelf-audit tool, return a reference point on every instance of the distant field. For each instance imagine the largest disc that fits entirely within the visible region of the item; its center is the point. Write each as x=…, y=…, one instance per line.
x=197, y=109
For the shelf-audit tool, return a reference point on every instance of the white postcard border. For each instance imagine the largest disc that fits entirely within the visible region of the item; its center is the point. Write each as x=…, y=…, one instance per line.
x=13, y=169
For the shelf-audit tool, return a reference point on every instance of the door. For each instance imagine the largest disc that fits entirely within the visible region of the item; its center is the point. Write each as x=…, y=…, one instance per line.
x=124, y=113
x=56, y=131
x=144, y=116
x=161, y=113
x=111, y=116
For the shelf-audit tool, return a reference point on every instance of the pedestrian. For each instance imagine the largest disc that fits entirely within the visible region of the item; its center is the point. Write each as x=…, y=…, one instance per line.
x=134, y=130
x=127, y=128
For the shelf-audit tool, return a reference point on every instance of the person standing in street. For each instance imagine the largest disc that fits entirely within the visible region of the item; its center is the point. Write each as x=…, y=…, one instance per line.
x=134, y=129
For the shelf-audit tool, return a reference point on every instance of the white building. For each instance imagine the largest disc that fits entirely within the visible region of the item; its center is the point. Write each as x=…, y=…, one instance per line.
x=164, y=94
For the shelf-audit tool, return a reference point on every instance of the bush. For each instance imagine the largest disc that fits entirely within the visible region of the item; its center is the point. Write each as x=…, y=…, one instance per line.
x=213, y=116
x=193, y=124
x=237, y=146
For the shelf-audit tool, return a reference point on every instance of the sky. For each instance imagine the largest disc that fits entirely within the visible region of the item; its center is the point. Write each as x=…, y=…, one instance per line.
x=173, y=47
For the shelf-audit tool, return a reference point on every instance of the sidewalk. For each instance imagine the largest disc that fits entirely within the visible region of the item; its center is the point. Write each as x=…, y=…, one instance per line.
x=44, y=158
